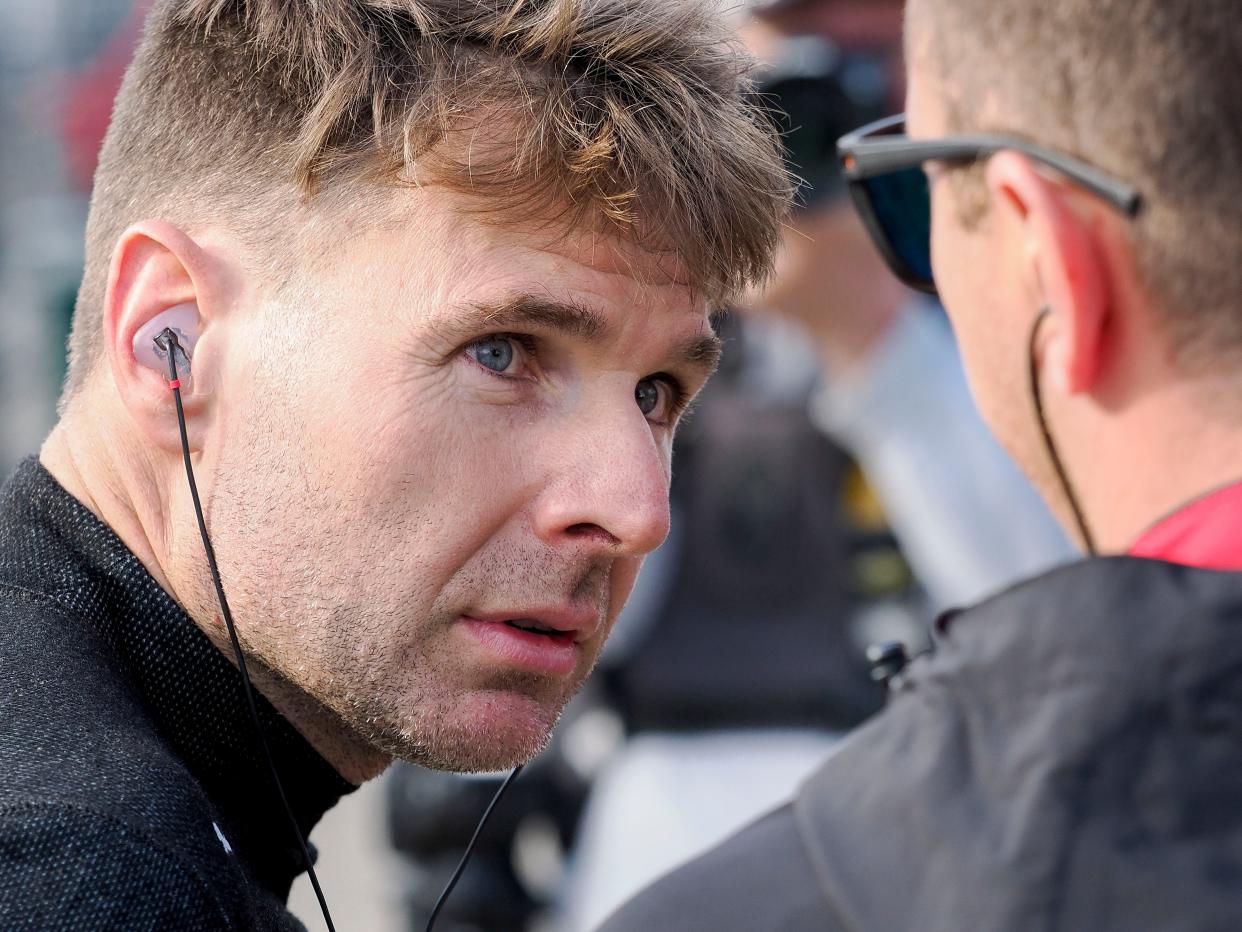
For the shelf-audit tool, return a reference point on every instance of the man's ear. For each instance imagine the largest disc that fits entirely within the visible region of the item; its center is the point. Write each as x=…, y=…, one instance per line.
x=1066, y=266
x=159, y=275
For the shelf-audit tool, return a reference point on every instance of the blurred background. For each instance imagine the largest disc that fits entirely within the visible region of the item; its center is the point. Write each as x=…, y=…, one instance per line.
x=834, y=490
x=48, y=49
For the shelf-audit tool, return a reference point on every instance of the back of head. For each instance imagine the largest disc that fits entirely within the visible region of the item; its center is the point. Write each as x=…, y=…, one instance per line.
x=627, y=115
x=1141, y=89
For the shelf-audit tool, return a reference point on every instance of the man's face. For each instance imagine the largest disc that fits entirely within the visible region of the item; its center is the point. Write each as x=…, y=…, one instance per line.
x=978, y=275
x=450, y=436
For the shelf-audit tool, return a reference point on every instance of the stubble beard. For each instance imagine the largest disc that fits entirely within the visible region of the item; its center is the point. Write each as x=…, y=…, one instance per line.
x=481, y=732
x=390, y=682
x=420, y=701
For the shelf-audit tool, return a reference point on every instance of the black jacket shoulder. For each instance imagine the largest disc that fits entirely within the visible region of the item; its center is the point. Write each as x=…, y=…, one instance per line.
x=126, y=739
x=69, y=867
x=96, y=811
x=1067, y=759
x=762, y=879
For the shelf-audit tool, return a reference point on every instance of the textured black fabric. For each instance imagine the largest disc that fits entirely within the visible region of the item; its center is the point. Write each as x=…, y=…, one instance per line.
x=1070, y=758
x=132, y=791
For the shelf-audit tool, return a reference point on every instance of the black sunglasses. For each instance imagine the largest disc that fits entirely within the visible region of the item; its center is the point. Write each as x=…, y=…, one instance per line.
x=884, y=168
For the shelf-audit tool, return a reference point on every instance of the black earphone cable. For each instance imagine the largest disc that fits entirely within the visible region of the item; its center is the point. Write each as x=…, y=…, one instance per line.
x=465, y=858
x=172, y=346
x=168, y=342
x=1050, y=445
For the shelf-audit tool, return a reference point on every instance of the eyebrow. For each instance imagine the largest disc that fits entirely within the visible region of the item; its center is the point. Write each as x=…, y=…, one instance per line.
x=701, y=353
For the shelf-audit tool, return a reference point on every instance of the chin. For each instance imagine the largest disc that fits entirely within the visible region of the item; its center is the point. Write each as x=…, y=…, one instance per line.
x=485, y=732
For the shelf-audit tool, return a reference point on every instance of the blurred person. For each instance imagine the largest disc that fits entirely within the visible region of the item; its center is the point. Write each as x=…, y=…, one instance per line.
x=433, y=279
x=894, y=392
x=783, y=540
x=741, y=660
x=1066, y=757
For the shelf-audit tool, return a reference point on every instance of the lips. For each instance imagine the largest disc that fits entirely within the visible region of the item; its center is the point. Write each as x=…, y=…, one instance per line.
x=546, y=641
x=572, y=623
x=533, y=626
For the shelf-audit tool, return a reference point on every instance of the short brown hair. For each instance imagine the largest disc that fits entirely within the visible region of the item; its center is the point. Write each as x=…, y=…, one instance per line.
x=630, y=112
x=1143, y=89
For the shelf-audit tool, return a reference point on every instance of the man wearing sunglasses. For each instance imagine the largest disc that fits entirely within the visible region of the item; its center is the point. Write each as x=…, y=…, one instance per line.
x=1067, y=756
x=893, y=392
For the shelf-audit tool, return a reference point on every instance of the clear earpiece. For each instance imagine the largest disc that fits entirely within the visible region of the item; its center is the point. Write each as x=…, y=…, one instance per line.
x=182, y=320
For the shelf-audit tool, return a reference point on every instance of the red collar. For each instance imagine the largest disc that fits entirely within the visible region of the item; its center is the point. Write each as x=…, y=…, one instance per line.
x=1207, y=533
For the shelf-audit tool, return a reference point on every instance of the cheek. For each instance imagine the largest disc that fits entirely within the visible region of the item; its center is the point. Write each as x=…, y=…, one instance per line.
x=411, y=483
x=953, y=253
x=963, y=268
x=460, y=475
x=995, y=366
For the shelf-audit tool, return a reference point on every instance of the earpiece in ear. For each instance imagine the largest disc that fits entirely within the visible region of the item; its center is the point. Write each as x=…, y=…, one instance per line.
x=152, y=352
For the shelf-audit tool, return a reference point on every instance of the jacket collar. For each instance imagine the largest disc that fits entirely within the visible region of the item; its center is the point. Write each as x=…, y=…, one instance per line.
x=1206, y=533
x=191, y=691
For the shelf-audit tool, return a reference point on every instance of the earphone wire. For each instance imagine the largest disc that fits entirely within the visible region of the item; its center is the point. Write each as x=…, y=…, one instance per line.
x=1050, y=445
x=465, y=858
x=172, y=345
x=167, y=340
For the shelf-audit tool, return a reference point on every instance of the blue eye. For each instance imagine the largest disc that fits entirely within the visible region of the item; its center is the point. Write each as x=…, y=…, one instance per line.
x=494, y=353
x=647, y=394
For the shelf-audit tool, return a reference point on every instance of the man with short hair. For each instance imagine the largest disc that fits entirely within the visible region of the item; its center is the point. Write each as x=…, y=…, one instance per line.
x=893, y=393
x=1066, y=757
x=441, y=271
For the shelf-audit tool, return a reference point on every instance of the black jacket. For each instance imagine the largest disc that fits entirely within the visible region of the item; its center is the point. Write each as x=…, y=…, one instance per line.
x=132, y=793
x=1069, y=758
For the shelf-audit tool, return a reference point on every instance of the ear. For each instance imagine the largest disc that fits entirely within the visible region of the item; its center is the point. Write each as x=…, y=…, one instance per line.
x=1065, y=263
x=156, y=268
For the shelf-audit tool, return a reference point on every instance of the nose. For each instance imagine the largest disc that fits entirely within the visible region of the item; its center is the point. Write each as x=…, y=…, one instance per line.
x=608, y=486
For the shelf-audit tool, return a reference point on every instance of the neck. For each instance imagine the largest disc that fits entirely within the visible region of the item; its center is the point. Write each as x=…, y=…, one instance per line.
x=81, y=463
x=1134, y=466
x=137, y=501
